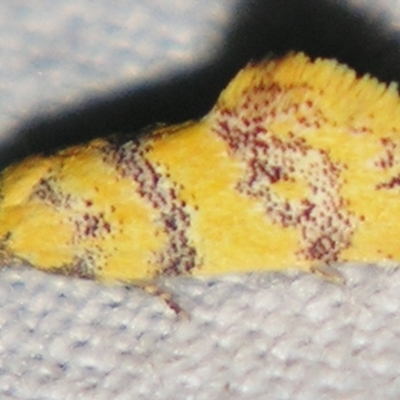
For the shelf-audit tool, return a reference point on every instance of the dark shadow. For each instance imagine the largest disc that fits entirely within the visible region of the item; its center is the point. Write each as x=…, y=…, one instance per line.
x=260, y=27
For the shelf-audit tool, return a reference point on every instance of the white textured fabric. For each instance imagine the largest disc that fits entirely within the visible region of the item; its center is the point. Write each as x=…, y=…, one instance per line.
x=259, y=336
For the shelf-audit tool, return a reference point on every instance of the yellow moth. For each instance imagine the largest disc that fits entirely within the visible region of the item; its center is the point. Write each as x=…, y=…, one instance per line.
x=297, y=165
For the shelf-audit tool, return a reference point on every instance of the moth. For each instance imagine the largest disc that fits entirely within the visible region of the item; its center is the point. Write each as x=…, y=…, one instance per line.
x=296, y=166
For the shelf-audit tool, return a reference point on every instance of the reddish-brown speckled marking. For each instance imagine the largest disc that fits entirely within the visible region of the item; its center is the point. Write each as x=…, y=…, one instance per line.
x=47, y=191
x=83, y=267
x=388, y=161
x=92, y=225
x=179, y=255
x=87, y=224
x=326, y=227
x=389, y=157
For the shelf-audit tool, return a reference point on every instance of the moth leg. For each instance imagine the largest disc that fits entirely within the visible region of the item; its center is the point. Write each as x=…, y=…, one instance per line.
x=328, y=271
x=156, y=290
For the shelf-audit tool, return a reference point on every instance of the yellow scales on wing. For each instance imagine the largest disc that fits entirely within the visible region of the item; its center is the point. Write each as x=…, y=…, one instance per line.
x=297, y=165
